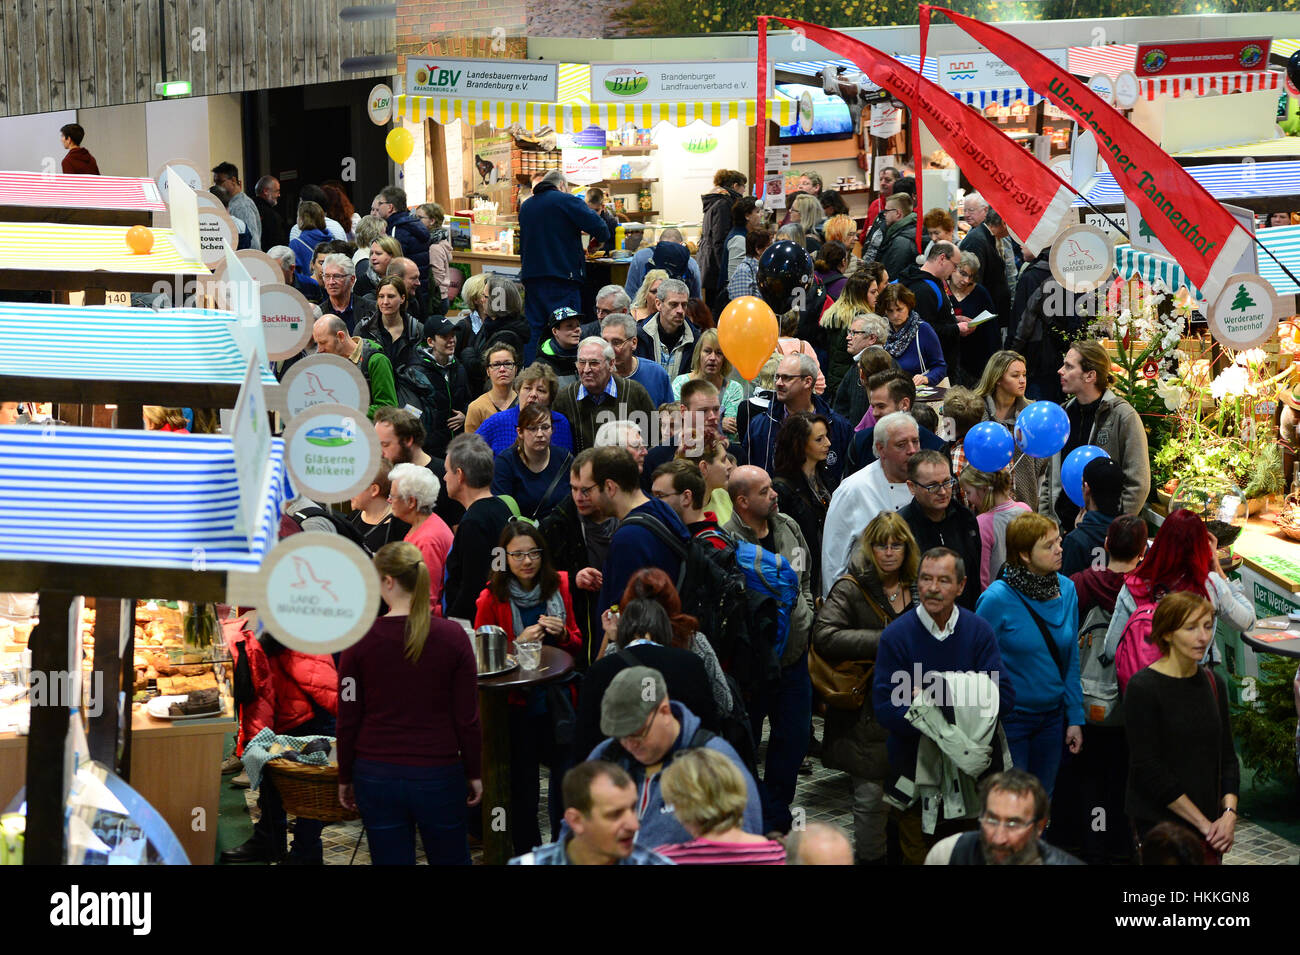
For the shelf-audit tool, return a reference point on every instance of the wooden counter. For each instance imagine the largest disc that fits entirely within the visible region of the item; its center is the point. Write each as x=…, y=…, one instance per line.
x=175, y=767
x=1270, y=553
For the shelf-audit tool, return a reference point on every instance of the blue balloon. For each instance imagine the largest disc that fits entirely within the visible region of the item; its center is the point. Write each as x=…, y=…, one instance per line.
x=1042, y=429
x=989, y=446
x=1072, y=470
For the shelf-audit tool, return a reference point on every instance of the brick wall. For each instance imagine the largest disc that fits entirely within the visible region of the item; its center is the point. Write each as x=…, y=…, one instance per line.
x=461, y=28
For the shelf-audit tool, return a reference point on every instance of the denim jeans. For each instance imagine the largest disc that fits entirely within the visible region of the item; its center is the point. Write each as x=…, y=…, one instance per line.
x=788, y=706
x=1037, y=741
x=272, y=826
x=396, y=800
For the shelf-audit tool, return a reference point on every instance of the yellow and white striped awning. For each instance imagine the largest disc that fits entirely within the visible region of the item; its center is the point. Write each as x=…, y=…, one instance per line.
x=575, y=111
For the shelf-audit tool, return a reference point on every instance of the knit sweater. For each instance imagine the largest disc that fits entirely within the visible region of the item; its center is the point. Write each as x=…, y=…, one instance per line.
x=1026, y=661
x=908, y=651
x=993, y=538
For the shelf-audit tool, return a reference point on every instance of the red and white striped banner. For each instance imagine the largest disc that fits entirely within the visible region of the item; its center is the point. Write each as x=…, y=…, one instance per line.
x=60, y=191
x=1201, y=85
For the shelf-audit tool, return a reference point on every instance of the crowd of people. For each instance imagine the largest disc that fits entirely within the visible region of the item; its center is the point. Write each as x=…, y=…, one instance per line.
x=723, y=562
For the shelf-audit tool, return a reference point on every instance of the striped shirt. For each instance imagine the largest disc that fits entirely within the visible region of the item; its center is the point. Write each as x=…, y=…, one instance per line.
x=709, y=852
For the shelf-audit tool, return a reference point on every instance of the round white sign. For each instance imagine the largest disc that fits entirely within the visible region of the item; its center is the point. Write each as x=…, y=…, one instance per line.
x=321, y=593
x=332, y=451
x=1103, y=86
x=323, y=379
x=207, y=202
x=1246, y=312
x=189, y=172
x=1126, y=90
x=217, y=230
x=287, y=318
x=806, y=112
x=1081, y=258
x=379, y=105
x=261, y=267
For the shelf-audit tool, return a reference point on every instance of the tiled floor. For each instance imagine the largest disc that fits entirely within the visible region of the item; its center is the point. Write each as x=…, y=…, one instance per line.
x=824, y=796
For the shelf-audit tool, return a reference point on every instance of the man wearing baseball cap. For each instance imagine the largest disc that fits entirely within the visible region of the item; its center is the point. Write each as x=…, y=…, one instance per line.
x=560, y=350
x=1103, y=489
x=646, y=732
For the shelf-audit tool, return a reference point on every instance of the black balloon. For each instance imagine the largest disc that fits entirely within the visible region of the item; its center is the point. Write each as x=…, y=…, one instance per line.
x=1293, y=69
x=783, y=268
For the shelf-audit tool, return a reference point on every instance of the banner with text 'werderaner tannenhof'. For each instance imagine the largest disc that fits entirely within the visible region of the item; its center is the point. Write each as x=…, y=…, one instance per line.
x=1199, y=233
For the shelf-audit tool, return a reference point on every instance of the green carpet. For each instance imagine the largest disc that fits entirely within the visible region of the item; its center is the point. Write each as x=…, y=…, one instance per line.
x=233, y=825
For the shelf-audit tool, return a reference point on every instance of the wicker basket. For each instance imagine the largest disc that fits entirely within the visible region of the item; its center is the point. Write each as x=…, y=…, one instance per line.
x=311, y=792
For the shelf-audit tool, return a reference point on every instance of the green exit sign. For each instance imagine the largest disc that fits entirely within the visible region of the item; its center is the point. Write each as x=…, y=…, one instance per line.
x=172, y=88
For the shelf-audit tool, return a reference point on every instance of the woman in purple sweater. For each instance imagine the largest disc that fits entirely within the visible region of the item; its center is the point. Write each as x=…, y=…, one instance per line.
x=409, y=743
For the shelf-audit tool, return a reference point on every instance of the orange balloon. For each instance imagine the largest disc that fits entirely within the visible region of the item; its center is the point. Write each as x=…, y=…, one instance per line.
x=139, y=239
x=747, y=332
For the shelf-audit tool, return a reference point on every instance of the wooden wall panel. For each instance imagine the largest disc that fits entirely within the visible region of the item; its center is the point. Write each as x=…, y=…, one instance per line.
x=79, y=54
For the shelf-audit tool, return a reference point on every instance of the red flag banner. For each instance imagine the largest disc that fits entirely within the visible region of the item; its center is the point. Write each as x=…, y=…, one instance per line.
x=760, y=125
x=1030, y=197
x=1199, y=233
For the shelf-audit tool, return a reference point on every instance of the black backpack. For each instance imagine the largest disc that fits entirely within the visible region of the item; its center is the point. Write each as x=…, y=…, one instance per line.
x=342, y=526
x=740, y=623
x=417, y=392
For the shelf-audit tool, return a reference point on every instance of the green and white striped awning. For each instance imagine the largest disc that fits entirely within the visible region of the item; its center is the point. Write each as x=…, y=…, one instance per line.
x=1282, y=241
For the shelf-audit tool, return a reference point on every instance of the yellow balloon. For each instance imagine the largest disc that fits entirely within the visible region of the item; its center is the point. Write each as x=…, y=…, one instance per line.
x=400, y=144
x=747, y=332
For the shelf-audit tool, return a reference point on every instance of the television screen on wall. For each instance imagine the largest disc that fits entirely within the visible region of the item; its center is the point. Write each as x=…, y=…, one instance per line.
x=831, y=118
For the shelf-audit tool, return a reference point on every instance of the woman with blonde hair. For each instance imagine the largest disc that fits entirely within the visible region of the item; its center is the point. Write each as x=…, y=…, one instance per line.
x=857, y=297
x=708, y=363
x=409, y=742
x=1182, y=763
x=989, y=496
x=807, y=212
x=878, y=587
x=708, y=793
x=646, y=303
x=1002, y=386
x=158, y=418
x=842, y=229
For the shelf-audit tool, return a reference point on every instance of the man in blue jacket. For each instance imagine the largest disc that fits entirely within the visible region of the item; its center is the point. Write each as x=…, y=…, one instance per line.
x=934, y=637
x=551, y=253
x=618, y=493
x=647, y=729
x=794, y=393
x=409, y=231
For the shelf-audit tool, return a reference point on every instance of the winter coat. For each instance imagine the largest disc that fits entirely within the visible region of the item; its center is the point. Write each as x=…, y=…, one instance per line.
x=712, y=257
x=400, y=351
x=899, y=250
x=935, y=309
x=413, y=237
x=489, y=610
x=286, y=685
x=847, y=628
x=760, y=438
x=1117, y=430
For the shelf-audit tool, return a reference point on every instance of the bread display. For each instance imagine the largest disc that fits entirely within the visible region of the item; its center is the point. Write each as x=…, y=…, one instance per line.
x=200, y=701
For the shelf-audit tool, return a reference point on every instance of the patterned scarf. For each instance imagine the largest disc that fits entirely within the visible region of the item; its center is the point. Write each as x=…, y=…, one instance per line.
x=1039, y=587
x=527, y=599
x=901, y=338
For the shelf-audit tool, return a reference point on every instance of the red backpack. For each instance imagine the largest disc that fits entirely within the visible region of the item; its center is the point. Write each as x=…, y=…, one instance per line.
x=1135, y=651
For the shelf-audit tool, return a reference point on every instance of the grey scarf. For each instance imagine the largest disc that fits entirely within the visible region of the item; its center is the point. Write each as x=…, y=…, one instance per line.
x=531, y=598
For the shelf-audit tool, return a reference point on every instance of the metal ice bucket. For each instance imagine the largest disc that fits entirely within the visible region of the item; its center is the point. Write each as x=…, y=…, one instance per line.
x=490, y=648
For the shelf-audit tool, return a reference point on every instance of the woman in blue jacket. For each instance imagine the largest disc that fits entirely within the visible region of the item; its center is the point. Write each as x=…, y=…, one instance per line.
x=912, y=342
x=311, y=222
x=1034, y=613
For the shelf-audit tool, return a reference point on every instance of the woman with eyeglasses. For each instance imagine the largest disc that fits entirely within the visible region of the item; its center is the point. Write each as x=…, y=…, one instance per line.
x=502, y=366
x=532, y=471
x=529, y=599
x=710, y=364
x=879, y=586
x=799, y=478
x=970, y=299
x=1034, y=612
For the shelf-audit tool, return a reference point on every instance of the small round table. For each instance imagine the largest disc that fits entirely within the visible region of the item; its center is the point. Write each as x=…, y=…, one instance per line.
x=1260, y=639
x=494, y=712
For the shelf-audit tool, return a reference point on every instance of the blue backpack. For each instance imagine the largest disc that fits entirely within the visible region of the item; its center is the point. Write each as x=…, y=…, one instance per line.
x=772, y=576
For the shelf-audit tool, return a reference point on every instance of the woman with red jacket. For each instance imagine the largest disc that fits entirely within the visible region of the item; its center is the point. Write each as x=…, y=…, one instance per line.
x=296, y=694
x=530, y=600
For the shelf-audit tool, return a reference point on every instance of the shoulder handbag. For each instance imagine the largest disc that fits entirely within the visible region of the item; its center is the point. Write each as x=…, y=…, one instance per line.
x=844, y=685
x=1052, y=648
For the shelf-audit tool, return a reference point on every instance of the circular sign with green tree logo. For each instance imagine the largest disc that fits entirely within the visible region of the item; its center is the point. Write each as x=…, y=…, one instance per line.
x=1246, y=312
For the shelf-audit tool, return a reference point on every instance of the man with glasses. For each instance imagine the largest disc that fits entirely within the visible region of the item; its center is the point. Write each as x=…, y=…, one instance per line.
x=226, y=175
x=680, y=485
x=469, y=468
x=621, y=331
x=794, y=380
x=937, y=519
x=645, y=732
x=600, y=396
x=929, y=284
x=338, y=275
x=927, y=641
x=1012, y=819
x=865, y=329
